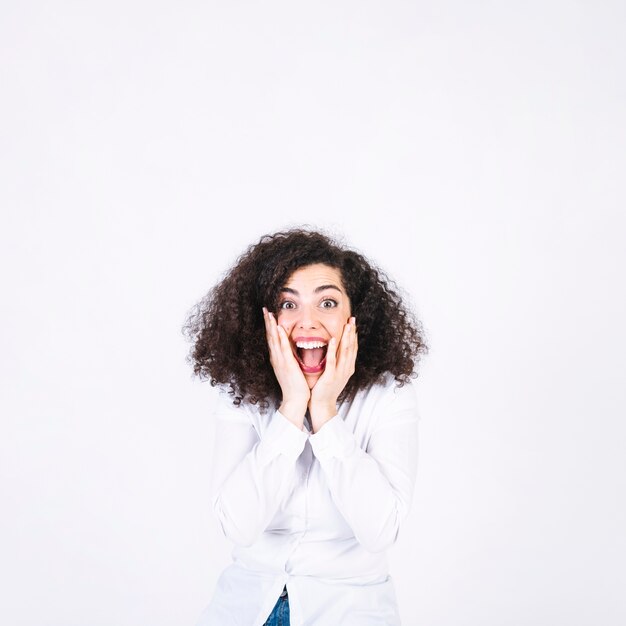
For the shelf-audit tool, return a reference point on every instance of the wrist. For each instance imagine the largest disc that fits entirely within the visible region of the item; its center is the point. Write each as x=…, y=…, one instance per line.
x=293, y=411
x=322, y=412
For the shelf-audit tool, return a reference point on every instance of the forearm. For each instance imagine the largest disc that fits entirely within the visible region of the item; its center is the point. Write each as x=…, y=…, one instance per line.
x=373, y=493
x=251, y=495
x=248, y=498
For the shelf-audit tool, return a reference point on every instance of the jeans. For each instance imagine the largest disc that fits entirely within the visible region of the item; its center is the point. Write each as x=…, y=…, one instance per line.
x=280, y=613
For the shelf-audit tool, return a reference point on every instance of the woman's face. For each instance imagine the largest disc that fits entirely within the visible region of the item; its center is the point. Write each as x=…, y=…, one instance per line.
x=313, y=307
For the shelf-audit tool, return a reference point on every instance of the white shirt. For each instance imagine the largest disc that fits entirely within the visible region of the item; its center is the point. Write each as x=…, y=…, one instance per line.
x=314, y=512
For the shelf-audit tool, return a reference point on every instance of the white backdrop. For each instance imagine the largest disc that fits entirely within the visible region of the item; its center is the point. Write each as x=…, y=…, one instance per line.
x=476, y=151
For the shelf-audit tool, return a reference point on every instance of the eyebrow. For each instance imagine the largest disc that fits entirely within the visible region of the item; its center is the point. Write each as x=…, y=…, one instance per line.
x=317, y=289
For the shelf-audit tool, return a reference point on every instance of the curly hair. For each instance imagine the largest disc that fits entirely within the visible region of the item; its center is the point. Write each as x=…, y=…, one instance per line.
x=227, y=328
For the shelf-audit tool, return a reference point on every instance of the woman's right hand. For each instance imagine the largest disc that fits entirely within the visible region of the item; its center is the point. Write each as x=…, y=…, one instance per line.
x=293, y=384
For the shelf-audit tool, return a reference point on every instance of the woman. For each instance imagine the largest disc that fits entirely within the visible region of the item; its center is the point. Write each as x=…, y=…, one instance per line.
x=316, y=432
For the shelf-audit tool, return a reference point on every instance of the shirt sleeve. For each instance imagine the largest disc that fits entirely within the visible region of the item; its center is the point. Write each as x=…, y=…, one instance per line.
x=250, y=473
x=373, y=488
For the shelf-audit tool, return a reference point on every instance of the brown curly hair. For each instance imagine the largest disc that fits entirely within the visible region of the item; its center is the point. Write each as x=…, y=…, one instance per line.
x=228, y=334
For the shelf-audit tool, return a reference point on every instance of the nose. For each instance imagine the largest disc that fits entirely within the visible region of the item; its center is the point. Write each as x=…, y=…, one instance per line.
x=308, y=318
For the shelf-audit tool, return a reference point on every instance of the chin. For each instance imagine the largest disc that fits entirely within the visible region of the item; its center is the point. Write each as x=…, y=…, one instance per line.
x=311, y=379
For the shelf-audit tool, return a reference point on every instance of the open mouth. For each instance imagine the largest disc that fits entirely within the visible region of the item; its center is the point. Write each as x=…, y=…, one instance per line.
x=311, y=354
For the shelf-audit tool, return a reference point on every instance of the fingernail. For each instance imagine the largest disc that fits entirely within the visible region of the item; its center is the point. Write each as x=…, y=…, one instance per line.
x=264, y=310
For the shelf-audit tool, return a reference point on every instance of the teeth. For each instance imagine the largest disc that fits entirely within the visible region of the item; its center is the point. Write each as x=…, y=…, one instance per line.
x=307, y=345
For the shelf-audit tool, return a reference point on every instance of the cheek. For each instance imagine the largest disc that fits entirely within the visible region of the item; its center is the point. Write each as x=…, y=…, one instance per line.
x=284, y=321
x=338, y=326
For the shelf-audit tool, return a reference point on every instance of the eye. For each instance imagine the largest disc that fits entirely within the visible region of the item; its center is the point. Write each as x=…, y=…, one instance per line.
x=287, y=304
x=329, y=303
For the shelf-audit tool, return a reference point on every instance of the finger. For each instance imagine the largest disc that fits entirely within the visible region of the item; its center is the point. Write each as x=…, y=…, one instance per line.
x=283, y=347
x=352, y=331
x=354, y=351
x=284, y=342
x=273, y=327
x=348, y=347
x=276, y=356
x=331, y=356
x=353, y=340
x=345, y=339
x=266, y=322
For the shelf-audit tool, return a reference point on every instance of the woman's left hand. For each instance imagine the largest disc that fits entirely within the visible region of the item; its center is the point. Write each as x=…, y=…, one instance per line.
x=340, y=365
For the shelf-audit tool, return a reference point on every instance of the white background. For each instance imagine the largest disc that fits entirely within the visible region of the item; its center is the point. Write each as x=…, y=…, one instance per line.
x=475, y=150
